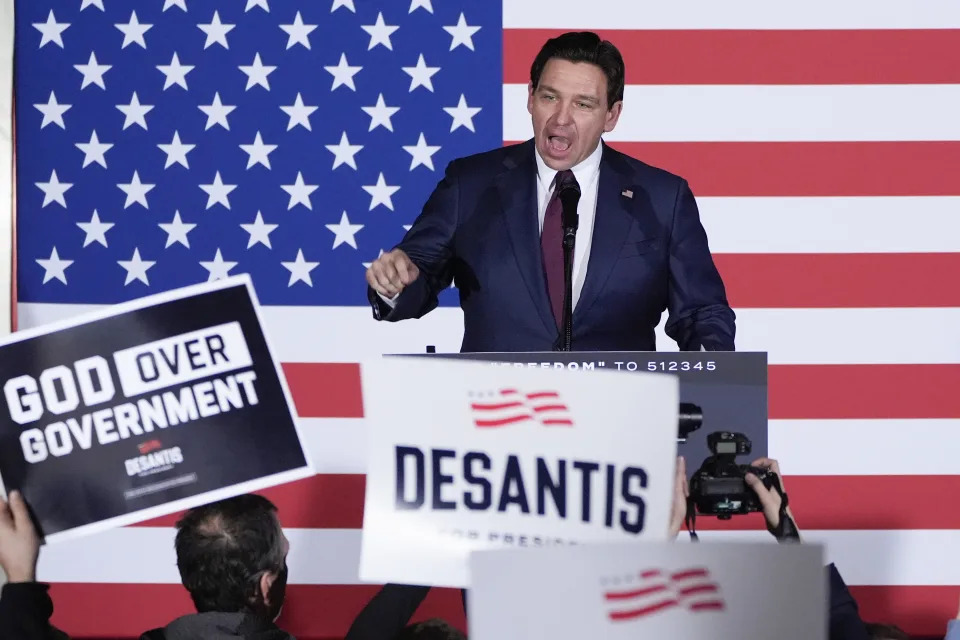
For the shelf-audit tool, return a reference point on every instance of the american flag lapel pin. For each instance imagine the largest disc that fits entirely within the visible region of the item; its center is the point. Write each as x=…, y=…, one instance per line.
x=627, y=192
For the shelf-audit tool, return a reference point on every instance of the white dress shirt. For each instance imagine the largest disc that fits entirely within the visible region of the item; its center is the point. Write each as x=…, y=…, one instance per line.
x=586, y=174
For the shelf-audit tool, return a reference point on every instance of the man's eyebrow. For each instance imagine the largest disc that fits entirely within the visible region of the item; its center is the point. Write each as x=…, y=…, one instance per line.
x=580, y=96
x=588, y=98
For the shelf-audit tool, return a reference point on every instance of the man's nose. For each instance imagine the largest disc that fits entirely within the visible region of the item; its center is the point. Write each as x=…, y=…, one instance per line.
x=564, y=113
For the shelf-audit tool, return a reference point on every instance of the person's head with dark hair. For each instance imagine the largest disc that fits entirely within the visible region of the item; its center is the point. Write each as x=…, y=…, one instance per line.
x=880, y=631
x=232, y=556
x=432, y=629
x=574, y=96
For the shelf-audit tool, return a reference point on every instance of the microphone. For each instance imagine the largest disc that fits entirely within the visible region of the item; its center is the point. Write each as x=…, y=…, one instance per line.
x=569, y=196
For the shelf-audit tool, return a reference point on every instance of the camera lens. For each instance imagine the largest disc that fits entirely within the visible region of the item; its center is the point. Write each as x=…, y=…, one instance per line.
x=690, y=419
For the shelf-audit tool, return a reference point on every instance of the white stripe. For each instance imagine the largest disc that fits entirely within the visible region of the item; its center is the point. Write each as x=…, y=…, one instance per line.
x=790, y=336
x=864, y=447
x=737, y=14
x=803, y=447
x=765, y=113
x=331, y=556
x=891, y=557
x=849, y=336
x=146, y=555
x=909, y=224
x=336, y=445
x=6, y=157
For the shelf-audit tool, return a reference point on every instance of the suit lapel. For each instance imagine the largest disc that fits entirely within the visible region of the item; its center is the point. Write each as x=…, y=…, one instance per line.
x=518, y=197
x=611, y=225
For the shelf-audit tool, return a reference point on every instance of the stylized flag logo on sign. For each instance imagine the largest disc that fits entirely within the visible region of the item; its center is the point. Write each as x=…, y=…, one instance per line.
x=511, y=406
x=657, y=590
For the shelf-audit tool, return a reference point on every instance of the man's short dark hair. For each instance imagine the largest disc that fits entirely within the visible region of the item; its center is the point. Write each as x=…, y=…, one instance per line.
x=432, y=629
x=224, y=548
x=584, y=46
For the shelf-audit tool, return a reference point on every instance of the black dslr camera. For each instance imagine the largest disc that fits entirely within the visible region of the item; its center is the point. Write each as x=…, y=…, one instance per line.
x=718, y=487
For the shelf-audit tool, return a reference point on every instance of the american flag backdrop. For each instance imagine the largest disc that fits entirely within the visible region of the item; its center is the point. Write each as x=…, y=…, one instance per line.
x=164, y=142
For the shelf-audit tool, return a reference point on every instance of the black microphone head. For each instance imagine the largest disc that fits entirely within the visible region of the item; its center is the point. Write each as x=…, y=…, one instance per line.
x=569, y=196
x=569, y=189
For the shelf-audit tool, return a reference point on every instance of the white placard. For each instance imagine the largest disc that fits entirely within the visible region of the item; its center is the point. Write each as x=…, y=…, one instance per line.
x=465, y=456
x=715, y=591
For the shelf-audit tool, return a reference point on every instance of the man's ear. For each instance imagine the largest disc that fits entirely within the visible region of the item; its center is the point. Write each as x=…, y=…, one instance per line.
x=266, y=584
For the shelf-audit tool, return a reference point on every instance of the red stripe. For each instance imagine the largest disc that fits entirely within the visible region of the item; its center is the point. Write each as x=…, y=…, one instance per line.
x=921, y=611
x=651, y=573
x=795, y=391
x=636, y=593
x=764, y=57
x=316, y=612
x=807, y=168
x=701, y=588
x=551, y=407
x=691, y=573
x=839, y=280
x=311, y=612
x=329, y=501
x=557, y=422
x=502, y=422
x=335, y=501
x=864, y=391
x=494, y=407
x=643, y=611
x=335, y=387
x=543, y=394
x=859, y=502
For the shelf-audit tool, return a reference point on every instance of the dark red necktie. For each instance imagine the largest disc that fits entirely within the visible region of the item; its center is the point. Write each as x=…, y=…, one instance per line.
x=551, y=244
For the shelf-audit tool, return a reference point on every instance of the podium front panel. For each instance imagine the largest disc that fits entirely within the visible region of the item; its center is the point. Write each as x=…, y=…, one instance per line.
x=730, y=387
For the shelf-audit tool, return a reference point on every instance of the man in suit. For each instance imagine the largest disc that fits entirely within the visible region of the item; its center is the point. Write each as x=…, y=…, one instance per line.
x=493, y=225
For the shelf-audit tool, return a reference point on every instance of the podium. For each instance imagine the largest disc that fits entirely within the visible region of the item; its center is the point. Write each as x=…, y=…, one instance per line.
x=729, y=387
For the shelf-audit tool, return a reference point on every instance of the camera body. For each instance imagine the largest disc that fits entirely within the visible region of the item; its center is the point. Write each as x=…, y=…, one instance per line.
x=718, y=487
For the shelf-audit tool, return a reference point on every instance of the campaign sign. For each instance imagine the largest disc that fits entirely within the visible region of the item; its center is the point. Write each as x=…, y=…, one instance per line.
x=714, y=591
x=463, y=456
x=726, y=389
x=145, y=408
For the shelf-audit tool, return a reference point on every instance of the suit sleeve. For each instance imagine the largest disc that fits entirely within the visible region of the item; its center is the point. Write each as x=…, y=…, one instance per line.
x=25, y=611
x=844, y=615
x=387, y=613
x=429, y=244
x=699, y=315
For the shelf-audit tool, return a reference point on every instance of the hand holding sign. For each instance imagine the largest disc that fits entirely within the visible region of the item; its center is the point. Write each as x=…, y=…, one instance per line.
x=19, y=544
x=681, y=491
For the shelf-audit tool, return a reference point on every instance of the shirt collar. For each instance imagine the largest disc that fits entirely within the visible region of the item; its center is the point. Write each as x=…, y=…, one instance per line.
x=583, y=172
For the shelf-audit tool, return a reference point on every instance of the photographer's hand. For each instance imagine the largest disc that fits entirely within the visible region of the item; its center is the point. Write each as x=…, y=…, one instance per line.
x=770, y=500
x=681, y=490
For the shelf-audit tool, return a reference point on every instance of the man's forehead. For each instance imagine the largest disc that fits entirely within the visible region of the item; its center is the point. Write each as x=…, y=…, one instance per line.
x=591, y=80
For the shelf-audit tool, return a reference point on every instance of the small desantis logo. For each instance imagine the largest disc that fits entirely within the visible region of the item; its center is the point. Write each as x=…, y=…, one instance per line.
x=148, y=446
x=653, y=591
x=152, y=459
x=506, y=407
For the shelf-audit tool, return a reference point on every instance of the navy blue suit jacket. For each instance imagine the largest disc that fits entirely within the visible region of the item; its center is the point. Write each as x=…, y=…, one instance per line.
x=649, y=254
